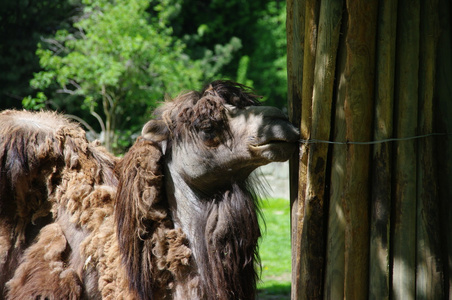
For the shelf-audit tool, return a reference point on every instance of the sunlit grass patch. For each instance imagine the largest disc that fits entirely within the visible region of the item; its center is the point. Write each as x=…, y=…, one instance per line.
x=274, y=249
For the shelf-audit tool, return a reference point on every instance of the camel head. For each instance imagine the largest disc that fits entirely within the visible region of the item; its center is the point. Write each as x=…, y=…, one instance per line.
x=220, y=135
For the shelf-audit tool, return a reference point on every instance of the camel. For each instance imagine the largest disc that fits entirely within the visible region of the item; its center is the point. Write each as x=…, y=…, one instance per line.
x=175, y=218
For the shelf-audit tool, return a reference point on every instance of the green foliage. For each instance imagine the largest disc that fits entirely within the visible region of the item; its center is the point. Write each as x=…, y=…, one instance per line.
x=267, y=68
x=260, y=28
x=37, y=103
x=242, y=71
x=118, y=61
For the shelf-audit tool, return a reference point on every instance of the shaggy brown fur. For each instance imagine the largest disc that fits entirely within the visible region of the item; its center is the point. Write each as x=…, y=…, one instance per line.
x=33, y=279
x=144, y=226
x=49, y=170
x=77, y=223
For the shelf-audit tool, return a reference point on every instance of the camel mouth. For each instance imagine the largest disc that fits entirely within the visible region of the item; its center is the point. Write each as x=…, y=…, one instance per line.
x=273, y=142
x=274, y=149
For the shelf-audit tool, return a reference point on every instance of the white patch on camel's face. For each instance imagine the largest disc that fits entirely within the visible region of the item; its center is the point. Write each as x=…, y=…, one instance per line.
x=216, y=153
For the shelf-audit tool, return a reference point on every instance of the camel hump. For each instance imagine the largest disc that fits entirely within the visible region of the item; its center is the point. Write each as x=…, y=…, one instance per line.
x=33, y=145
x=36, y=150
x=40, y=124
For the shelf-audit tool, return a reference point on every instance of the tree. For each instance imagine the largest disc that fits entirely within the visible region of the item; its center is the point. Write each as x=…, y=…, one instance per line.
x=267, y=65
x=118, y=60
x=247, y=37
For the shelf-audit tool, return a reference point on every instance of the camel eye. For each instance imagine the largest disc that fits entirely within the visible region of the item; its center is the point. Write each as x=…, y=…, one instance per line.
x=208, y=129
x=209, y=135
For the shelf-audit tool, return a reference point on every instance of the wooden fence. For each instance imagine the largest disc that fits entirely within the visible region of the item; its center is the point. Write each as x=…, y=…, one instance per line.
x=372, y=211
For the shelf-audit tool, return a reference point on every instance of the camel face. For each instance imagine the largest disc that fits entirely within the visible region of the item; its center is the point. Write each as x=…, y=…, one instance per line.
x=211, y=142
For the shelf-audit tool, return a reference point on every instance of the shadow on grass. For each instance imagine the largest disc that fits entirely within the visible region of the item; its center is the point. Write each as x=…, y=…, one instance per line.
x=274, y=291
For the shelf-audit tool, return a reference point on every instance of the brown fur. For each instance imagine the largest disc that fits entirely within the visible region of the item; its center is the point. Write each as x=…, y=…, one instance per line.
x=43, y=273
x=144, y=226
x=75, y=222
x=228, y=233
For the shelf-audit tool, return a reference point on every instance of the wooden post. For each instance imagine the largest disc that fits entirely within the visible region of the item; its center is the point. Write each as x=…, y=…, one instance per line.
x=359, y=76
x=429, y=275
x=379, y=265
x=443, y=116
x=335, y=244
x=407, y=72
x=295, y=48
x=348, y=237
x=312, y=240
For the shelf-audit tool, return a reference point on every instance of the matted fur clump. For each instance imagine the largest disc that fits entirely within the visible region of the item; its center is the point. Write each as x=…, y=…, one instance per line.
x=175, y=218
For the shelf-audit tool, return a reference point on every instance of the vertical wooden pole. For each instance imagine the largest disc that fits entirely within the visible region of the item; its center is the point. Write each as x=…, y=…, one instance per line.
x=295, y=48
x=359, y=76
x=404, y=252
x=429, y=275
x=312, y=235
x=311, y=31
x=309, y=22
x=310, y=46
x=443, y=118
x=379, y=265
x=335, y=244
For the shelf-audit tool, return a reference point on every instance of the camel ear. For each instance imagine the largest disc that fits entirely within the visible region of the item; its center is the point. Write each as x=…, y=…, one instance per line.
x=155, y=130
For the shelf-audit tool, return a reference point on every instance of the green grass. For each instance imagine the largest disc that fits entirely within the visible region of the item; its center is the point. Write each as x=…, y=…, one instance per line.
x=274, y=250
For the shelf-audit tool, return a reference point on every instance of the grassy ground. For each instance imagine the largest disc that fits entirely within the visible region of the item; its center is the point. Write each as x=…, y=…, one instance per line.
x=275, y=250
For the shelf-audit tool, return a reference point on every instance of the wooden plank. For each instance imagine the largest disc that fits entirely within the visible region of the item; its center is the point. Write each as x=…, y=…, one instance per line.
x=295, y=48
x=443, y=118
x=312, y=239
x=406, y=110
x=359, y=80
x=379, y=271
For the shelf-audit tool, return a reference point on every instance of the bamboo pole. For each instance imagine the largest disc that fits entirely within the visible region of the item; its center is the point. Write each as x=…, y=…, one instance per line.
x=312, y=235
x=379, y=271
x=404, y=252
x=359, y=76
x=429, y=276
x=443, y=116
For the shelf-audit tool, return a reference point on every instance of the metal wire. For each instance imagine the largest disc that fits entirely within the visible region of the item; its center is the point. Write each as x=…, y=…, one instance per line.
x=314, y=141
